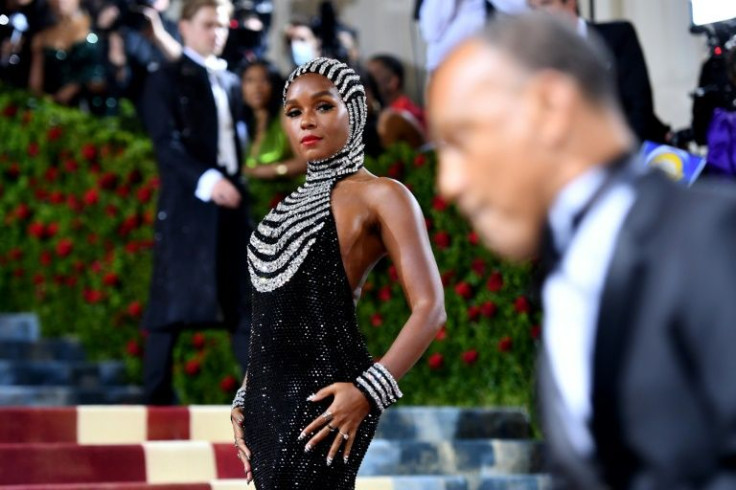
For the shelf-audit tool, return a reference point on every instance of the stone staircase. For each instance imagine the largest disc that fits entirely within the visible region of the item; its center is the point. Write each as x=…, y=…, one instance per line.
x=35, y=371
x=92, y=435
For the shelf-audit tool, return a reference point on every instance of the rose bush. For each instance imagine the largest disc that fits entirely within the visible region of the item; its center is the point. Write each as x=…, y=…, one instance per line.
x=77, y=198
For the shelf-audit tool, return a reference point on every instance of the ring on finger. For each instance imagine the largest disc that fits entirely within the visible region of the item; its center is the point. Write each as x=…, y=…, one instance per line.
x=327, y=415
x=331, y=427
x=345, y=435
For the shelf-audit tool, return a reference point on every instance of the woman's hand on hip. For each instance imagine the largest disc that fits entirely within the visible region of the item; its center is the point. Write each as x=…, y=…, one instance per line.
x=340, y=422
x=237, y=419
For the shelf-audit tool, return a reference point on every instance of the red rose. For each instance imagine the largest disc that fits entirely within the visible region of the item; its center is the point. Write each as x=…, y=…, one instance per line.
x=473, y=313
x=495, y=282
x=23, y=212
x=134, y=177
x=446, y=277
x=396, y=170
x=154, y=182
x=54, y=133
x=93, y=296
x=442, y=239
x=56, y=197
x=228, y=383
x=441, y=334
x=51, y=174
x=505, y=344
x=111, y=210
x=89, y=151
x=198, y=340
x=95, y=168
x=436, y=361
x=384, y=294
x=71, y=281
x=51, y=230
x=192, y=367
x=10, y=110
x=64, y=247
x=71, y=165
x=19, y=272
x=144, y=194
x=488, y=309
x=439, y=204
x=420, y=160
x=45, y=258
x=38, y=279
x=376, y=320
x=33, y=149
x=41, y=194
x=108, y=181
x=91, y=197
x=133, y=348
x=73, y=202
x=470, y=357
x=463, y=289
x=478, y=266
x=521, y=305
x=37, y=230
x=15, y=254
x=135, y=309
x=111, y=279
x=473, y=238
x=535, y=331
x=132, y=247
x=393, y=273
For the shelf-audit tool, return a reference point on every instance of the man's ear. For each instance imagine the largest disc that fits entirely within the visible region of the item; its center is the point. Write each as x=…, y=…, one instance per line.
x=184, y=29
x=556, y=97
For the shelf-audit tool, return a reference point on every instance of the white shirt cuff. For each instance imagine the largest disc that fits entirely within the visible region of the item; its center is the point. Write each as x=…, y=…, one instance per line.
x=206, y=183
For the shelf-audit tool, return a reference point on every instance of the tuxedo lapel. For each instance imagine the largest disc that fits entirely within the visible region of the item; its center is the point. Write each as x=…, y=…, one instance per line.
x=616, y=326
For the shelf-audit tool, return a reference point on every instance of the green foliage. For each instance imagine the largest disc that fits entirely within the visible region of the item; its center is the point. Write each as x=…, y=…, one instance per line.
x=78, y=202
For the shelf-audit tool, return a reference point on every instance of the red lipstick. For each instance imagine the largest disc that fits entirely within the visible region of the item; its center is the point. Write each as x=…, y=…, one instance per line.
x=310, y=140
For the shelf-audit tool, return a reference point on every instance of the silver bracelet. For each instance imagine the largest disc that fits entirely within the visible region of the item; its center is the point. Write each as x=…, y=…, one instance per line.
x=378, y=383
x=239, y=400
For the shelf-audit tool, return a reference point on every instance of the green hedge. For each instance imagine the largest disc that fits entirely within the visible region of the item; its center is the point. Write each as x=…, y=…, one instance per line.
x=78, y=200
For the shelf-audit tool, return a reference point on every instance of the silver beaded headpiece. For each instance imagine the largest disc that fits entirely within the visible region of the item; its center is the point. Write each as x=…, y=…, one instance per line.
x=283, y=239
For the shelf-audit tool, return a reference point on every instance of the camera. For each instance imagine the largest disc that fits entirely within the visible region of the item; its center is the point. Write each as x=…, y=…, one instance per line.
x=248, y=31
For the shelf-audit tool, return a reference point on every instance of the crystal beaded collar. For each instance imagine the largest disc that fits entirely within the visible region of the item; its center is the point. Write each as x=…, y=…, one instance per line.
x=282, y=241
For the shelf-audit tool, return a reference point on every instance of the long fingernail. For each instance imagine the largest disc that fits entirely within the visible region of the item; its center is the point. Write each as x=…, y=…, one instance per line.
x=302, y=436
x=307, y=448
x=345, y=459
x=329, y=461
x=311, y=397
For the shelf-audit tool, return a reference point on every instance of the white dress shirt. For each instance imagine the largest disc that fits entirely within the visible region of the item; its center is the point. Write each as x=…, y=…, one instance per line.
x=571, y=294
x=226, y=152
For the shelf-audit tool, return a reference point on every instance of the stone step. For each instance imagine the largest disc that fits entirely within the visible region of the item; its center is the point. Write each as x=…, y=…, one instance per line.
x=406, y=457
x=447, y=423
x=19, y=326
x=66, y=395
x=60, y=373
x=42, y=350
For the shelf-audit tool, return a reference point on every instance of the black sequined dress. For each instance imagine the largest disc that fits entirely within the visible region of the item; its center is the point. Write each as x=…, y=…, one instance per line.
x=304, y=337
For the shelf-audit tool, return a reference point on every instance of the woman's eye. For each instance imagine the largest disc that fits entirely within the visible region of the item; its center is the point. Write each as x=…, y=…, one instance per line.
x=324, y=107
x=292, y=113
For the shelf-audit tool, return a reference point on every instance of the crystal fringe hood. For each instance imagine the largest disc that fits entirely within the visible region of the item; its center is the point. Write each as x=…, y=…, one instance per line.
x=282, y=241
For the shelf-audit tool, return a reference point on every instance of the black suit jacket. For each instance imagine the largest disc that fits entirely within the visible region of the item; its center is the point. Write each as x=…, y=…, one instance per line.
x=664, y=399
x=634, y=87
x=180, y=115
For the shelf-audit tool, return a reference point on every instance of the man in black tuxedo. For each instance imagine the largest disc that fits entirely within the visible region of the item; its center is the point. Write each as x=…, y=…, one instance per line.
x=640, y=323
x=634, y=88
x=192, y=110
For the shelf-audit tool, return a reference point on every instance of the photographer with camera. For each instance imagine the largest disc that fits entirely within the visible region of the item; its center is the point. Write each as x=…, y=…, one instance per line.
x=139, y=40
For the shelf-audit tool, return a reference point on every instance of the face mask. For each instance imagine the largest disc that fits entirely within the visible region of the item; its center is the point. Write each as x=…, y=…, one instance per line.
x=302, y=52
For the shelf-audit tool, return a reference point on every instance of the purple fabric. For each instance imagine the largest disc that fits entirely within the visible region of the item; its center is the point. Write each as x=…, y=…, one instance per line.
x=722, y=142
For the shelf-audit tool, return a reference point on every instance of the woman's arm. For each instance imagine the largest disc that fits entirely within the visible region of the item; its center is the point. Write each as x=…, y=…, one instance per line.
x=35, y=77
x=405, y=237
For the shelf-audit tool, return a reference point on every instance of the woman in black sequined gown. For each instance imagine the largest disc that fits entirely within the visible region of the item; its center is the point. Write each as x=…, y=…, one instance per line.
x=312, y=391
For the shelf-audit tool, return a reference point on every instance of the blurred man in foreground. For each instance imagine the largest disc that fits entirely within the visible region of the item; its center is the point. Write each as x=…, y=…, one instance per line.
x=634, y=373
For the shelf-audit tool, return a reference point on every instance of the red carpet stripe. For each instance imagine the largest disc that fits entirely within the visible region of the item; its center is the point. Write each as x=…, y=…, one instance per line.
x=228, y=464
x=29, y=425
x=70, y=463
x=168, y=423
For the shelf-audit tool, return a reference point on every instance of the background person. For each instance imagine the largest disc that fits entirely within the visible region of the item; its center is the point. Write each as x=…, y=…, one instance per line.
x=191, y=109
x=638, y=333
